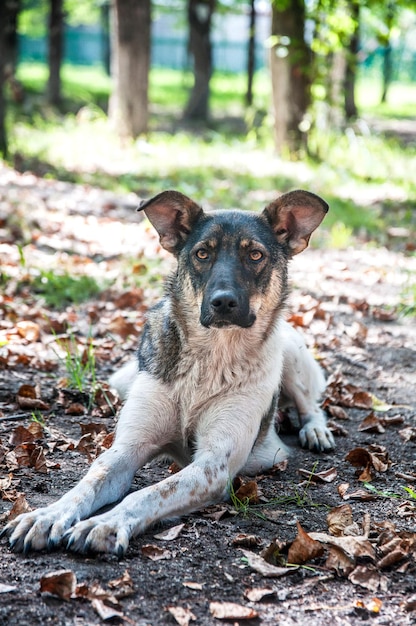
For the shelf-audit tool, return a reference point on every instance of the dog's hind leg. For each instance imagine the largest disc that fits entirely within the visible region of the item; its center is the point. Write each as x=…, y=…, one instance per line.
x=303, y=383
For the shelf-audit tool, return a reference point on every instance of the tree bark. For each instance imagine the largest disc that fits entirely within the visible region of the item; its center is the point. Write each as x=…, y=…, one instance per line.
x=55, y=50
x=290, y=63
x=387, y=57
x=251, y=53
x=130, y=65
x=351, y=110
x=200, y=16
x=3, y=46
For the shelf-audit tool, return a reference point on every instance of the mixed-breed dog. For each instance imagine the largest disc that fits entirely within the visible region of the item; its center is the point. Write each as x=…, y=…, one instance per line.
x=216, y=362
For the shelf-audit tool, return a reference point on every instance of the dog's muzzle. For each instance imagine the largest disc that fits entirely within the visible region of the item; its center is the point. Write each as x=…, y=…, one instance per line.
x=224, y=308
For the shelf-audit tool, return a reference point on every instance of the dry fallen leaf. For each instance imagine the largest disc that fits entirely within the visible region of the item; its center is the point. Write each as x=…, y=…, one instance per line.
x=106, y=612
x=155, y=553
x=261, y=566
x=367, y=577
x=355, y=547
x=339, y=518
x=248, y=492
x=326, y=476
x=123, y=586
x=258, y=593
x=375, y=458
x=247, y=541
x=171, y=533
x=191, y=585
x=230, y=610
x=372, y=424
x=303, y=548
x=340, y=562
x=181, y=615
x=61, y=583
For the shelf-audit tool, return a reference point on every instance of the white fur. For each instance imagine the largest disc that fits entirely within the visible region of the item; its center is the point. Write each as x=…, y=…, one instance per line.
x=208, y=420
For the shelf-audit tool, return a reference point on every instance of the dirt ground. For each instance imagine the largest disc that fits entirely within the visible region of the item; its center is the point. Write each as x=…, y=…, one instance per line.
x=345, y=303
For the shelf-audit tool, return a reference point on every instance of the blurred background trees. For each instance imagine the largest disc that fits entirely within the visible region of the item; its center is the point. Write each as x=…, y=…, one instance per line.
x=312, y=52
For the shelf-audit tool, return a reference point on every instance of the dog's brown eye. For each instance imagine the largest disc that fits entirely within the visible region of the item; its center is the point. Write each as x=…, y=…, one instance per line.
x=202, y=254
x=255, y=255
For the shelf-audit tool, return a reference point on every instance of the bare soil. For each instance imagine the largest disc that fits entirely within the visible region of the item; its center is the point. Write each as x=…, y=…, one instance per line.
x=344, y=302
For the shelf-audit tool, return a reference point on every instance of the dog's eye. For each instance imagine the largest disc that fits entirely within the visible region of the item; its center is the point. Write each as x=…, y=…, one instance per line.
x=255, y=255
x=202, y=254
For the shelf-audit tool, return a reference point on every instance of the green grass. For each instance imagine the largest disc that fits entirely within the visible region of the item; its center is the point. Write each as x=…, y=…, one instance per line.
x=59, y=290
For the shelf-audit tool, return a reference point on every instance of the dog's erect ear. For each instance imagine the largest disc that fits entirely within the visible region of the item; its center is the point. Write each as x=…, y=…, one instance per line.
x=294, y=216
x=173, y=215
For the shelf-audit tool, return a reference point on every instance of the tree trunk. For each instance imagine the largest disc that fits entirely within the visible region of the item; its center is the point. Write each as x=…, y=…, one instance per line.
x=130, y=64
x=55, y=51
x=387, y=57
x=290, y=63
x=3, y=46
x=200, y=16
x=10, y=51
x=351, y=110
x=251, y=53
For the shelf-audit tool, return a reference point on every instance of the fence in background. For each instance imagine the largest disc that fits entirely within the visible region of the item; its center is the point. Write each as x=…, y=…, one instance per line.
x=89, y=46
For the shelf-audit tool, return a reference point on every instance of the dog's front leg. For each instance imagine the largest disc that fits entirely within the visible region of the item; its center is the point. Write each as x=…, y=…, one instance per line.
x=302, y=385
x=224, y=439
x=109, y=477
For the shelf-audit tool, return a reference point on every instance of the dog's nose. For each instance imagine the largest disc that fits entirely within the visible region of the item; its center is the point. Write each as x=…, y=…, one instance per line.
x=223, y=302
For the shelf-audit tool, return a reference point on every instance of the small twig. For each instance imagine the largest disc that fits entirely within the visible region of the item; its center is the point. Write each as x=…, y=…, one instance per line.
x=17, y=416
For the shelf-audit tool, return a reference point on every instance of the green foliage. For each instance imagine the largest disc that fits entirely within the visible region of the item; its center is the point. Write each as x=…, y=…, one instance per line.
x=59, y=290
x=407, y=304
x=79, y=362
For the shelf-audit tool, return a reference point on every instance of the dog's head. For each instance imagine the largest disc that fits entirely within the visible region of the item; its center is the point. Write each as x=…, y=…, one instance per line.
x=234, y=261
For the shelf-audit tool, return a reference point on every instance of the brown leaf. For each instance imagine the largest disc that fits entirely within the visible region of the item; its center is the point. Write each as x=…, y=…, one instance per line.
x=353, y=547
x=326, y=476
x=123, y=586
x=61, y=583
x=28, y=330
x=31, y=455
x=247, y=541
x=258, y=593
x=120, y=326
x=230, y=610
x=367, y=577
x=155, y=553
x=20, y=506
x=340, y=562
x=337, y=412
x=408, y=434
x=261, y=566
x=181, y=615
x=104, y=611
x=372, y=424
x=375, y=458
x=303, y=548
x=248, y=492
x=171, y=533
x=339, y=518
x=192, y=585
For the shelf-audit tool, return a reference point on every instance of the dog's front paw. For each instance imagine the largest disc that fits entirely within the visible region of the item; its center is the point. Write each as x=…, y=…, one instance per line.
x=37, y=530
x=316, y=436
x=98, y=535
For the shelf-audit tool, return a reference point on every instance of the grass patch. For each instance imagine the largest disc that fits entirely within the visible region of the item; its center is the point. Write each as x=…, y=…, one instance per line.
x=59, y=290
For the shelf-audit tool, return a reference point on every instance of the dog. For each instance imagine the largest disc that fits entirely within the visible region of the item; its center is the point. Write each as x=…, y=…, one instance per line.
x=216, y=361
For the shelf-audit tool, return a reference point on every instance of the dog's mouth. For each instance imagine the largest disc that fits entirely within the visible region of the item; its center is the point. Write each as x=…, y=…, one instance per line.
x=225, y=323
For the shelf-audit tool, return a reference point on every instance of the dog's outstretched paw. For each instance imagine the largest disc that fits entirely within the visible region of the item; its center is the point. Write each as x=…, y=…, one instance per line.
x=38, y=530
x=316, y=437
x=93, y=535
